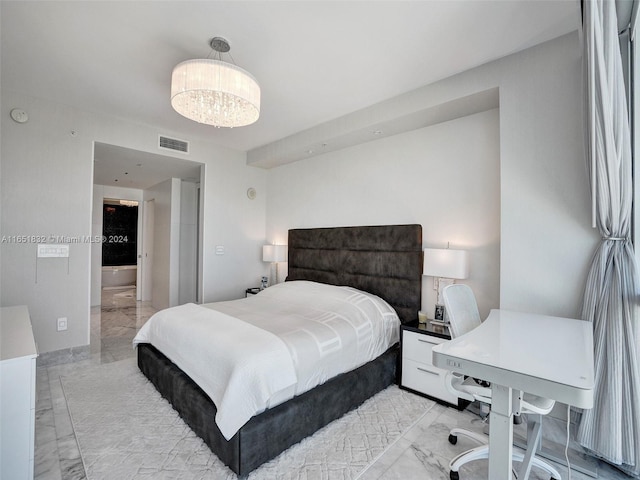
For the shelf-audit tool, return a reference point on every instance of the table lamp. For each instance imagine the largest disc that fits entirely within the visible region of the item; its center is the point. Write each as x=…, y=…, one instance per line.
x=274, y=254
x=445, y=265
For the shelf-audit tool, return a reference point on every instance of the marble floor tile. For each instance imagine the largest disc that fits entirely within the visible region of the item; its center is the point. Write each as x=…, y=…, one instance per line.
x=46, y=446
x=388, y=458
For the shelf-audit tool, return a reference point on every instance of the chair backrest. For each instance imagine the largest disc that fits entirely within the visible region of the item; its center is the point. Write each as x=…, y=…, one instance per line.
x=460, y=308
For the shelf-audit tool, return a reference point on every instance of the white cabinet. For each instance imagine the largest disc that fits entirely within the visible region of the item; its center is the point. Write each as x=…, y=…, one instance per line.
x=17, y=394
x=418, y=372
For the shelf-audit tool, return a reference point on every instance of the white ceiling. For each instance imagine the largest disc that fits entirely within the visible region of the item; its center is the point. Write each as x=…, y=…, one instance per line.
x=315, y=60
x=123, y=167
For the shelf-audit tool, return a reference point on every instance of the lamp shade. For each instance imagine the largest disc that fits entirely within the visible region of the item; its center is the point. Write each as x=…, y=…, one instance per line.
x=446, y=263
x=274, y=253
x=215, y=93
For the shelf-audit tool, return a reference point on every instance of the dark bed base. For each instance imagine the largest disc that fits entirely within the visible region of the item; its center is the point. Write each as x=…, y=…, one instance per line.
x=270, y=433
x=385, y=260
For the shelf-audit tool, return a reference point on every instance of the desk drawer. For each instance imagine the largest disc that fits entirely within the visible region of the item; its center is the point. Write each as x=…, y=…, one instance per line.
x=418, y=347
x=426, y=379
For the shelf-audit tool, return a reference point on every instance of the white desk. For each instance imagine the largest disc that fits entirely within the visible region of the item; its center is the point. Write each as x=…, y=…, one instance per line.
x=520, y=352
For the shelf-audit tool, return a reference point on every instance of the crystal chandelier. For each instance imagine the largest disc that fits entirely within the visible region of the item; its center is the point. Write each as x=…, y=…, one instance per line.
x=214, y=92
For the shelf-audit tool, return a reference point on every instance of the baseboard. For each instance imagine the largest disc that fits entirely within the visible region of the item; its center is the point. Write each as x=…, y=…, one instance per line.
x=66, y=355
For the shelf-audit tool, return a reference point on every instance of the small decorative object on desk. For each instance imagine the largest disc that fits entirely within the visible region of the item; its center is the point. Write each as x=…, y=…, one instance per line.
x=439, y=313
x=263, y=285
x=422, y=317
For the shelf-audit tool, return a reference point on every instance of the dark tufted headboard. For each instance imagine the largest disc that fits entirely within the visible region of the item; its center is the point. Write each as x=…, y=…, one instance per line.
x=384, y=260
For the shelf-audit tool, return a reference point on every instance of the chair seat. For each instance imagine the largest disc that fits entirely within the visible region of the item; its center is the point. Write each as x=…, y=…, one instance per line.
x=535, y=404
x=469, y=389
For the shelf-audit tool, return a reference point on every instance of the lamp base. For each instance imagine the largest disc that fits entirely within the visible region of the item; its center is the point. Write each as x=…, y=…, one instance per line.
x=439, y=313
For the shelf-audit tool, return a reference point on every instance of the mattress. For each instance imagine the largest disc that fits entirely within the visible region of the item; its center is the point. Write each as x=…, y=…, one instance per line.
x=255, y=353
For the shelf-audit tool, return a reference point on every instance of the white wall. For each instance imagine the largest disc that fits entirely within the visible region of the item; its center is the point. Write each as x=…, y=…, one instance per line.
x=188, y=243
x=46, y=187
x=546, y=241
x=445, y=177
x=166, y=242
x=239, y=227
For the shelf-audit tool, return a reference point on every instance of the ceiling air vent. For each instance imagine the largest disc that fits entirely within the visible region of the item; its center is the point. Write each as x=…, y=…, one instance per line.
x=173, y=144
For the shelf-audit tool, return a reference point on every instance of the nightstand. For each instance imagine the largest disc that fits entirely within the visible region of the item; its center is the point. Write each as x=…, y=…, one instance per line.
x=417, y=371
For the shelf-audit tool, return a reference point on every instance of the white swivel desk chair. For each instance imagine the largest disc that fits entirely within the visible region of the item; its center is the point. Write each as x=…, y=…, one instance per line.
x=462, y=311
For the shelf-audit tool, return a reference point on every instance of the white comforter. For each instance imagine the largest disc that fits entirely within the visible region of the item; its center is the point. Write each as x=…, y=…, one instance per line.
x=254, y=353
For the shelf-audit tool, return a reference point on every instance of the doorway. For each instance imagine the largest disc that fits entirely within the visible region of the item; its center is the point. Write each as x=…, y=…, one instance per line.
x=121, y=172
x=119, y=246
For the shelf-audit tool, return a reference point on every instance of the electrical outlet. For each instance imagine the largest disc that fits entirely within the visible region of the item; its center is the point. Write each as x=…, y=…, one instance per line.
x=62, y=323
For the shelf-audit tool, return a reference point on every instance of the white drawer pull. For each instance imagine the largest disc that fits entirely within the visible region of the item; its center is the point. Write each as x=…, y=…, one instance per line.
x=427, y=371
x=426, y=341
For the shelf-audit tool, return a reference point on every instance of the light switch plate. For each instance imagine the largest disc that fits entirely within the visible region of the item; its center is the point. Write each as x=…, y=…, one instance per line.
x=62, y=324
x=48, y=250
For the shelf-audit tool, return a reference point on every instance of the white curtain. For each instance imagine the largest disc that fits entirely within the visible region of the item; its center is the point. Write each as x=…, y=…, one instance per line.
x=611, y=430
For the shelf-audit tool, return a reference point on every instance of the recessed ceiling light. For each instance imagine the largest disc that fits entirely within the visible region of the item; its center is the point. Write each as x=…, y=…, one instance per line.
x=377, y=132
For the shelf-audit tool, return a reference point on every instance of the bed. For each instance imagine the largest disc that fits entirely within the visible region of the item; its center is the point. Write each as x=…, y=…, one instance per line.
x=385, y=261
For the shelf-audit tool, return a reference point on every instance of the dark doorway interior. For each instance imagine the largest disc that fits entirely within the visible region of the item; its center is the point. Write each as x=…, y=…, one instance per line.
x=120, y=231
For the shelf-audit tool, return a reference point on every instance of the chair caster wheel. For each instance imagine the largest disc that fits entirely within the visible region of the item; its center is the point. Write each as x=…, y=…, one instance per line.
x=453, y=439
x=454, y=475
